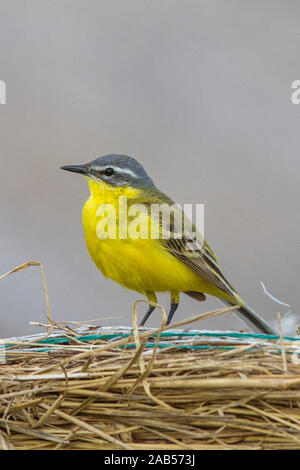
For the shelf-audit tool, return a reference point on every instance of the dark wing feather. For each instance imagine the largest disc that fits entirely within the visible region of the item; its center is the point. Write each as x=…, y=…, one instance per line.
x=187, y=244
x=201, y=261
x=196, y=295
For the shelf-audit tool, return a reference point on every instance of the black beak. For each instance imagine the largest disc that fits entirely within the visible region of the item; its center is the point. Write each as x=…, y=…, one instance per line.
x=82, y=169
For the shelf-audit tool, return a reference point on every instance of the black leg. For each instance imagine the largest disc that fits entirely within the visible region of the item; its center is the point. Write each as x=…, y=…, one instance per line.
x=171, y=313
x=150, y=310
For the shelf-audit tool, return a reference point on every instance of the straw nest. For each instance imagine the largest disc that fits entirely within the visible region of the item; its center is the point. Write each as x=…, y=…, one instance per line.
x=106, y=389
x=112, y=388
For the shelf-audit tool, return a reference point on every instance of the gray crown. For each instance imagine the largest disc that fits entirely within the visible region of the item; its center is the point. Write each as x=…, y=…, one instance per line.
x=127, y=171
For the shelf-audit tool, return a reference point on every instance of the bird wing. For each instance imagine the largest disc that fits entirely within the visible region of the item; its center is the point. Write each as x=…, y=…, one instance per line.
x=186, y=243
x=202, y=261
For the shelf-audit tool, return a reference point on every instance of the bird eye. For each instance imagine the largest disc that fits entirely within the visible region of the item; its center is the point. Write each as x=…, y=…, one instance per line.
x=109, y=171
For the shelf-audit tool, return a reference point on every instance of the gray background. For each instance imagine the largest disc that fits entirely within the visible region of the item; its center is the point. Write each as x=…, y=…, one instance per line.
x=198, y=91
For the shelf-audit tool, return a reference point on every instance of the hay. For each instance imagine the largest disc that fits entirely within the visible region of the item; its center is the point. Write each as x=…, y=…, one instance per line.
x=83, y=387
x=194, y=390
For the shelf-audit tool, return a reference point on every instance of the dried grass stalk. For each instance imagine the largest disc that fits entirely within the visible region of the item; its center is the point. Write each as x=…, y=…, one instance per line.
x=105, y=397
x=102, y=394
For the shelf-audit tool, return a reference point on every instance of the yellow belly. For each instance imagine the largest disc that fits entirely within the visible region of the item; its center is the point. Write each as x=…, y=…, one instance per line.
x=140, y=265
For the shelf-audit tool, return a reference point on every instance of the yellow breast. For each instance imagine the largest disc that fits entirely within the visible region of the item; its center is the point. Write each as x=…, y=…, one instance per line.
x=137, y=264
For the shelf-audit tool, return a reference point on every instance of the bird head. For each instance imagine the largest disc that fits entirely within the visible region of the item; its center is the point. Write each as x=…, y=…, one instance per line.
x=115, y=171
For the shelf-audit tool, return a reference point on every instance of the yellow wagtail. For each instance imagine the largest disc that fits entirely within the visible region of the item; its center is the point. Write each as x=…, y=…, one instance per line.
x=150, y=264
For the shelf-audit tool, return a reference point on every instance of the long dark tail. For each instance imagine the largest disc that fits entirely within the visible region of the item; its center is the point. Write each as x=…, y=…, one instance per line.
x=253, y=320
x=245, y=313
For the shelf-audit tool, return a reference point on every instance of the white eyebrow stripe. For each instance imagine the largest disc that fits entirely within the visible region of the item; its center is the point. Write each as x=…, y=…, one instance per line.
x=128, y=171
x=116, y=168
